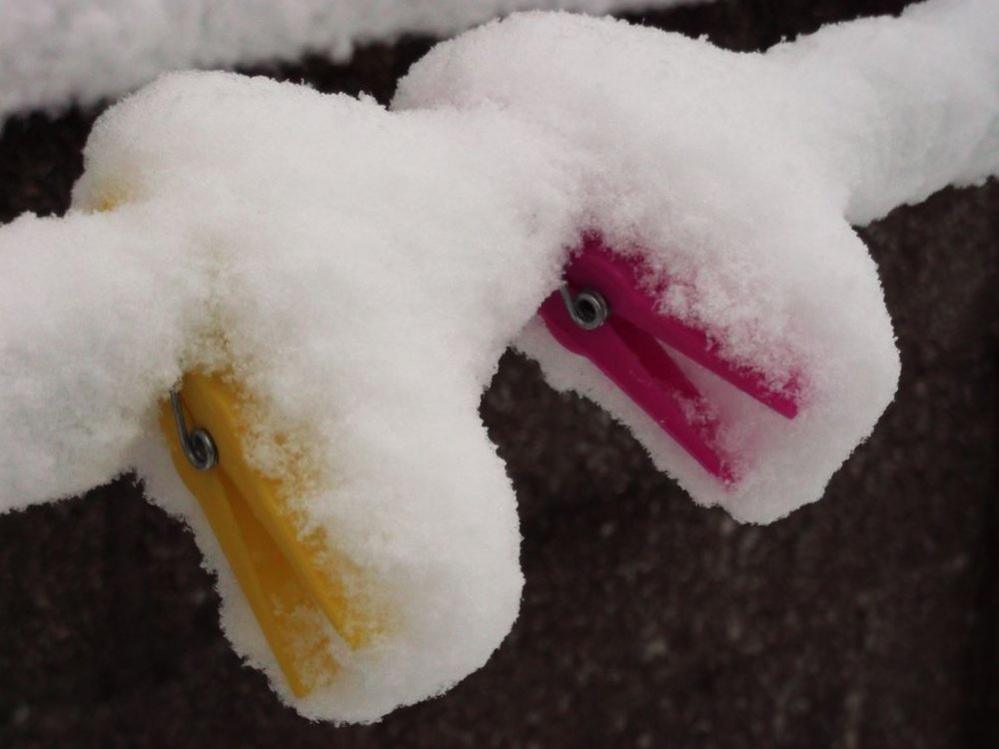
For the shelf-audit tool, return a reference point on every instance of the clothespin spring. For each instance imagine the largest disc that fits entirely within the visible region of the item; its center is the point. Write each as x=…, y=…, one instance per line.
x=198, y=445
x=588, y=309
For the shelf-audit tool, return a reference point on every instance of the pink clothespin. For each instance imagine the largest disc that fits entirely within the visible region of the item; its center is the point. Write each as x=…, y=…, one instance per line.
x=603, y=313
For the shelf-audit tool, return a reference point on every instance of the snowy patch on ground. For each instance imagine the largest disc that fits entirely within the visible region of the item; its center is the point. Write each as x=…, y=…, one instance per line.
x=55, y=52
x=360, y=270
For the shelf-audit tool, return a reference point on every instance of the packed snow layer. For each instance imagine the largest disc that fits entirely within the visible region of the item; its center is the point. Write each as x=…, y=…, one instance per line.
x=739, y=176
x=360, y=271
x=55, y=52
x=355, y=269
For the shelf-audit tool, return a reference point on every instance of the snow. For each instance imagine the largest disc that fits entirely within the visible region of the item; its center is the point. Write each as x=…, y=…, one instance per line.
x=54, y=52
x=348, y=256
x=754, y=216
x=361, y=270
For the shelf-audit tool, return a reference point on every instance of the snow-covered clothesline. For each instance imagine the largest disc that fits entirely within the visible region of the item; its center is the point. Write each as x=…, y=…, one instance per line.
x=56, y=52
x=360, y=270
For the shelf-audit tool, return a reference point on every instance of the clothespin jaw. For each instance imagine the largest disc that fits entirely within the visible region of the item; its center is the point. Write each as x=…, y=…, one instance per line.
x=607, y=313
x=295, y=583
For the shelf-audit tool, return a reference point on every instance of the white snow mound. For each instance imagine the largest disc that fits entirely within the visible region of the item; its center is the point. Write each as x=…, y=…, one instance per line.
x=360, y=271
x=56, y=52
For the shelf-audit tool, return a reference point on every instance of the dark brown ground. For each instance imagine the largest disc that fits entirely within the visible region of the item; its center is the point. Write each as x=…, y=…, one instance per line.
x=867, y=620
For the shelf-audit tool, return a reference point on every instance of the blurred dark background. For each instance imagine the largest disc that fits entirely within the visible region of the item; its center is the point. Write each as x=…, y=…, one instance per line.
x=866, y=620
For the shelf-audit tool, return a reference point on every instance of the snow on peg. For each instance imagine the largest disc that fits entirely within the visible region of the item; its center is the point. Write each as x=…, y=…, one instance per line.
x=326, y=286
x=295, y=584
x=604, y=314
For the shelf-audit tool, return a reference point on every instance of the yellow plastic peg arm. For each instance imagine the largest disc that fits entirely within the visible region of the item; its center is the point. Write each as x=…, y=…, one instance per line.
x=294, y=582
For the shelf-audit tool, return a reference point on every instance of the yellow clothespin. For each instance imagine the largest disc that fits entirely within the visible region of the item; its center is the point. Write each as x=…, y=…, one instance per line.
x=295, y=584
